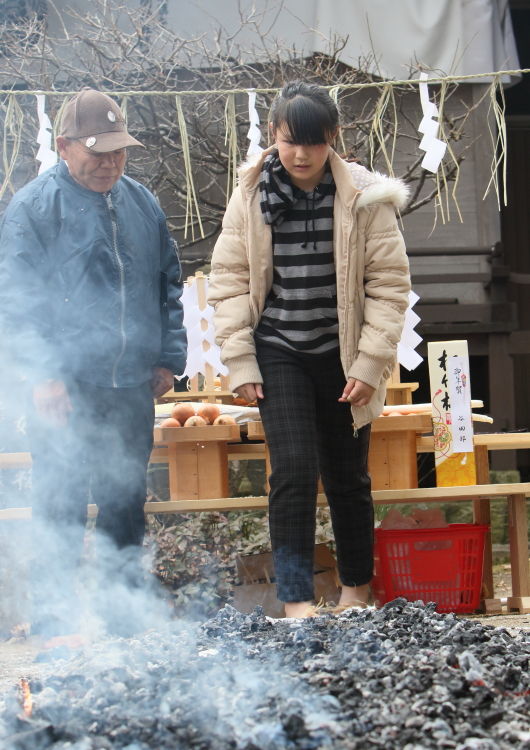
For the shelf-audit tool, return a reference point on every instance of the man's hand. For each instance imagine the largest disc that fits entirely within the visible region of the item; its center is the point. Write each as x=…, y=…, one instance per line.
x=162, y=381
x=357, y=393
x=52, y=402
x=250, y=391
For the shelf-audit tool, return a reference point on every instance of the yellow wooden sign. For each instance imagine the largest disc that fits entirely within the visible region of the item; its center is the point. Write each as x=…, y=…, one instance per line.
x=451, y=413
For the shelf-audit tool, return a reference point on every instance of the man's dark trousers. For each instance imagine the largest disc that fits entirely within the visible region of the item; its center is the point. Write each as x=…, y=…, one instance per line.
x=102, y=454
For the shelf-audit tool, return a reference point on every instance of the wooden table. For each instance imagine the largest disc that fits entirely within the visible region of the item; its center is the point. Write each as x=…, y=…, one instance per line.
x=193, y=494
x=198, y=459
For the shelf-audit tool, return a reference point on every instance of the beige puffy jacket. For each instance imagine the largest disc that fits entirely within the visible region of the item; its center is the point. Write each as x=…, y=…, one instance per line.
x=373, y=280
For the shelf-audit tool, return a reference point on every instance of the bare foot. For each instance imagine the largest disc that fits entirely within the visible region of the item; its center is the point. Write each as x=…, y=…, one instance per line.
x=72, y=641
x=354, y=596
x=297, y=609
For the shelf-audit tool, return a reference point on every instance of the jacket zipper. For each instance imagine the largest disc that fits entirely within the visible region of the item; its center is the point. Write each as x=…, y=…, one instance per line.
x=348, y=261
x=119, y=262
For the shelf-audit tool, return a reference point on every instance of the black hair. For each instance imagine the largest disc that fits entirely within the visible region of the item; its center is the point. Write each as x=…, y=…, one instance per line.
x=308, y=111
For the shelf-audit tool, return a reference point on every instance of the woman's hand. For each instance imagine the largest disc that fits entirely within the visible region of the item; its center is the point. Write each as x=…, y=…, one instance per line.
x=357, y=393
x=250, y=391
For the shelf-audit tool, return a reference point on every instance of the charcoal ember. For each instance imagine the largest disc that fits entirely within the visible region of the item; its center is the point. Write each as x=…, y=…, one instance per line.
x=401, y=677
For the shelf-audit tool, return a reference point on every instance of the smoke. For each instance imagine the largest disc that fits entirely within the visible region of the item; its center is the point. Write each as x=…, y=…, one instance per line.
x=60, y=572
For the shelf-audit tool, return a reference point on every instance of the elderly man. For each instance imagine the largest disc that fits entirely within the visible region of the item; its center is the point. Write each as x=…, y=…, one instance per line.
x=90, y=283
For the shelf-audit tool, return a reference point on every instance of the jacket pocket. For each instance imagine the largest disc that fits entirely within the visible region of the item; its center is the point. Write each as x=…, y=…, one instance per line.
x=164, y=308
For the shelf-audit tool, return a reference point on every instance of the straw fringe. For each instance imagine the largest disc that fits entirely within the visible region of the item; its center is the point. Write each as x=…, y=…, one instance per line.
x=231, y=140
x=378, y=128
x=123, y=108
x=191, y=195
x=498, y=142
x=334, y=94
x=57, y=121
x=13, y=124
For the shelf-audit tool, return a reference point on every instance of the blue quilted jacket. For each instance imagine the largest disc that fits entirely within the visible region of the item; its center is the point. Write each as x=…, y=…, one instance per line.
x=90, y=284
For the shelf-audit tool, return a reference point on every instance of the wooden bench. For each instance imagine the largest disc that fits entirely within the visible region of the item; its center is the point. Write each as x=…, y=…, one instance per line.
x=480, y=494
x=516, y=495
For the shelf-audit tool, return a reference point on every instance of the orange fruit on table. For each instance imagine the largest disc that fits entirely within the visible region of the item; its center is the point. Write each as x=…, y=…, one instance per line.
x=208, y=412
x=182, y=412
x=225, y=419
x=170, y=422
x=195, y=422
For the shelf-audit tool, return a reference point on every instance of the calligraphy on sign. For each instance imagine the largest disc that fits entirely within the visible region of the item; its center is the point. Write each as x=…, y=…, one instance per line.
x=458, y=373
x=451, y=413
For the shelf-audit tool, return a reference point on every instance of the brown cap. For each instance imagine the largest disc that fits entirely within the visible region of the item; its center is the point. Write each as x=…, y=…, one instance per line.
x=96, y=120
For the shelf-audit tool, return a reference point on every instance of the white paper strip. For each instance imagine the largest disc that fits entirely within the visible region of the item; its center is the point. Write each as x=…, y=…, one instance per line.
x=254, y=133
x=459, y=391
x=434, y=148
x=193, y=316
x=407, y=356
x=45, y=155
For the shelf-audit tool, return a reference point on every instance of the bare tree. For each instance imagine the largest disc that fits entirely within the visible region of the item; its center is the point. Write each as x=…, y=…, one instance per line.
x=115, y=49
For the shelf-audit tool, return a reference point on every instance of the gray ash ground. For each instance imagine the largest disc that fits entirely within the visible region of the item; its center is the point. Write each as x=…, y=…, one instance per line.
x=401, y=677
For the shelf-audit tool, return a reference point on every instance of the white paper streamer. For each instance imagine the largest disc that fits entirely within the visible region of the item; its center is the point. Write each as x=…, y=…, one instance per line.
x=45, y=155
x=254, y=133
x=433, y=147
x=193, y=316
x=407, y=356
x=458, y=371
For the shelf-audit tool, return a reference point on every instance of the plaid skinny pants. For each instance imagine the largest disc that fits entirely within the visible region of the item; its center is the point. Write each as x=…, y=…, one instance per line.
x=309, y=433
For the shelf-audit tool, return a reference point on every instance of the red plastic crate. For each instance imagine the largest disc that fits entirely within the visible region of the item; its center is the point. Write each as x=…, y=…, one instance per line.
x=434, y=565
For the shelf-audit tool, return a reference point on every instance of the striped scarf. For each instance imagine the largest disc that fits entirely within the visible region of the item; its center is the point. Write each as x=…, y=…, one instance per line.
x=301, y=308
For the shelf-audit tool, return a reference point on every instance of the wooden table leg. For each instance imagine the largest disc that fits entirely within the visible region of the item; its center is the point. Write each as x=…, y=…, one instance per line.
x=518, y=528
x=482, y=515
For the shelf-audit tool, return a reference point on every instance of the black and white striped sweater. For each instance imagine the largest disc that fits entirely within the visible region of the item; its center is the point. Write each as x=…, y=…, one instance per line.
x=301, y=308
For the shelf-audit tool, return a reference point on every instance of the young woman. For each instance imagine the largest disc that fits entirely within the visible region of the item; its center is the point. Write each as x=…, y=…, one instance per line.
x=310, y=284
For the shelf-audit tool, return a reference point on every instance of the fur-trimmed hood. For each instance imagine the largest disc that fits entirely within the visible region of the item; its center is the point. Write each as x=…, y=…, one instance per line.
x=350, y=177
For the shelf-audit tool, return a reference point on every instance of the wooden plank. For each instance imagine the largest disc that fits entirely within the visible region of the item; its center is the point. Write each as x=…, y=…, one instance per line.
x=518, y=530
x=245, y=451
x=159, y=455
x=15, y=460
x=378, y=462
x=255, y=430
x=184, y=481
x=482, y=515
x=15, y=514
x=384, y=497
x=437, y=494
x=222, y=395
x=494, y=442
x=228, y=432
x=212, y=470
x=414, y=422
x=400, y=393
x=172, y=460
x=222, y=505
x=392, y=460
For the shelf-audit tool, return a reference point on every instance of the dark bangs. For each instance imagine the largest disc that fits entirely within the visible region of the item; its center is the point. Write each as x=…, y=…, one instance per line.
x=307, y=111
x=308, y=121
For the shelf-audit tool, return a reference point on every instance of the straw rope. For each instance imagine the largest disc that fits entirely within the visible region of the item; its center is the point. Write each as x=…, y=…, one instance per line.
x=14, y=120
x=342, y=86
